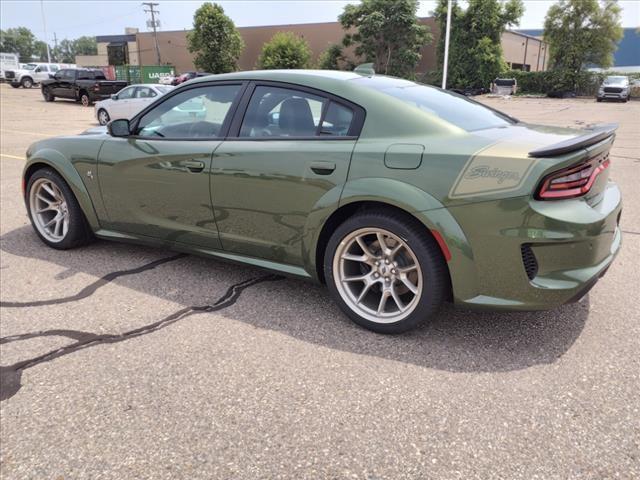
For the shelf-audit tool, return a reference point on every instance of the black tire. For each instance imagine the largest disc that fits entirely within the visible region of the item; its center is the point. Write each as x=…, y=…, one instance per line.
x=436, y=287
x=48, y=96
x=84, y=99
x=598, y=100
x=79, y=232
x=26, y=82
x=103, y=117
x=15, y=85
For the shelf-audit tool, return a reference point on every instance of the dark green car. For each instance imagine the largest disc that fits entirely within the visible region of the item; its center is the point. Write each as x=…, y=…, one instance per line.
x=398, y=196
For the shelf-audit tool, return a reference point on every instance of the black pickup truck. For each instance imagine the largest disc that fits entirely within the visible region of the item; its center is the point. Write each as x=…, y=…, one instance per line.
x=84, y=85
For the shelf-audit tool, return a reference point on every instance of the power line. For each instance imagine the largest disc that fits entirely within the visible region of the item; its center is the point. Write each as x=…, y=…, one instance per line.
x=153, y=23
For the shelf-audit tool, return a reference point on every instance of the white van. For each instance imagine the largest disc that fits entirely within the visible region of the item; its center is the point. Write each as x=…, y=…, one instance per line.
x=8, y=61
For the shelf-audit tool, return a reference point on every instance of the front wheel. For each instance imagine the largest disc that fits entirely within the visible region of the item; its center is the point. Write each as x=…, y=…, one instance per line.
x=385, y=271
x=54, y=211
x=103, y=117
x=15, y=85
x=27, y=83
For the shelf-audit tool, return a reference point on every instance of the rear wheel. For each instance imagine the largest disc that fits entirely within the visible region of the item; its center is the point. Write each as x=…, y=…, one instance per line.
x=26, y=83
x=48, y=96
x=84, y=99
x=385, y=272
x=54, y=211
x=103, y=117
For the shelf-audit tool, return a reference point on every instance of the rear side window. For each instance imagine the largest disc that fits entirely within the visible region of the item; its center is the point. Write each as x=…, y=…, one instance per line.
x=337, y=120
x=85, y=75
x=451, y=107
x=282, y=112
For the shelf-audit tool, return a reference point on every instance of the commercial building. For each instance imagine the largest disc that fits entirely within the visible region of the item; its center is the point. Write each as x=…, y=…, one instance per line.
x=521, y=51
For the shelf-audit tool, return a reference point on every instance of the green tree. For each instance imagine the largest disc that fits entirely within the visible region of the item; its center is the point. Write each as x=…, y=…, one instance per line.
x=475, y=47
x=214, y=40
x=19, y=40
x=331, y=58
x=580, y=33
x=386, y=33
x=285, y=50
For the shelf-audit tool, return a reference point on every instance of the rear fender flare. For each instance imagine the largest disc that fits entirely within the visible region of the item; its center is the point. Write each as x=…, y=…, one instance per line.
x=424, y=207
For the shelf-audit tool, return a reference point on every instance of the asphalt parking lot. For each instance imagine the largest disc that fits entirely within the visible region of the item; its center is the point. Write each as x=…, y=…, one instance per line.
x=121, y=361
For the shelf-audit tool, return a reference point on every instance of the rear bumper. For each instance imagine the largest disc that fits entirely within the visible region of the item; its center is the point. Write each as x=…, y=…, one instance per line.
x=572, y=243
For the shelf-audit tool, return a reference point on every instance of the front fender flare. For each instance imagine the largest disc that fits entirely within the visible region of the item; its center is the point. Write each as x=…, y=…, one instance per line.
x=58, y=162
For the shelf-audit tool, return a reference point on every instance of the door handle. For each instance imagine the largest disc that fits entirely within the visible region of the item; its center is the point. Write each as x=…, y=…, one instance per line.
x=194, y=166
x=322, y=168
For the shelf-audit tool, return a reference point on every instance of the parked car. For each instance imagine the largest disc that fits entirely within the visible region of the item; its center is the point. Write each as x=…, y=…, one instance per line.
x=397, y=195
x=82, y=84
x=32, y=74
x=615, y=87
x=128, y=101
x=166, y=79
x=188, y=76
x=8, y=61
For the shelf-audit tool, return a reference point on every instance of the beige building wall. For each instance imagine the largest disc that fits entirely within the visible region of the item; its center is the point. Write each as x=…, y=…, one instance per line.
x=174, y=51
x=92, y=60
x=520, y=49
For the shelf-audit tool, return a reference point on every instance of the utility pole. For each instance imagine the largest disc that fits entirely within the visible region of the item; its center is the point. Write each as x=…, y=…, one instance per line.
x=446, y=47
x=44, y=24
x=153, y=23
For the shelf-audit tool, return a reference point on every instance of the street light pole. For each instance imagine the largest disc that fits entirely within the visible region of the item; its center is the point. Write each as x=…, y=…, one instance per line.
x=446, y=47
x=44, y=24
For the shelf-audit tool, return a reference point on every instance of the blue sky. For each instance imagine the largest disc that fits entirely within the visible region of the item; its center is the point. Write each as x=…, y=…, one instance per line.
x=73, y=18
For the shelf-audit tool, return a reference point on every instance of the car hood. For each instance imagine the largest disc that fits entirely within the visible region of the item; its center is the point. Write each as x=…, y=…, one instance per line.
x=102, y=130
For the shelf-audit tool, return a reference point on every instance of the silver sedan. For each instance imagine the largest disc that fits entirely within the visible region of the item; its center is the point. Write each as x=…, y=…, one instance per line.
x=129, y=101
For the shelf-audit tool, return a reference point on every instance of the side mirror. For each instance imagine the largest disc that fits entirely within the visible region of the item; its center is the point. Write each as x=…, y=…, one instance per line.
x=119, y=128
x=114, y=96
x=38, y=70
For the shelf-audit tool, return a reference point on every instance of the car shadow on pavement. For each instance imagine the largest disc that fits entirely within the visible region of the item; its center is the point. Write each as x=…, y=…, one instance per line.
x=456, y=340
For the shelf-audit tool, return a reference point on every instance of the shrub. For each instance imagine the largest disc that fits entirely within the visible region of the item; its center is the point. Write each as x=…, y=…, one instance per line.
x=285, y=50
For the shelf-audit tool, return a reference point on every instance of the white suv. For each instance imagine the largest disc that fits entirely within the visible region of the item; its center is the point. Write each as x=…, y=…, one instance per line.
x=32, y=73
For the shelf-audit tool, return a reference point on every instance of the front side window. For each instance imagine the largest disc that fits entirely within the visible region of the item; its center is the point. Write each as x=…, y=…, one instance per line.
x=144, y=92
x=66, y=74
x=282, y=112
x=194, y=113
x=126, y=93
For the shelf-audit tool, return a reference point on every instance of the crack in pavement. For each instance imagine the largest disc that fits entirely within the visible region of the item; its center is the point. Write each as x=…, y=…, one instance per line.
x=10, y=375
x=630, y=232
x=91, y=288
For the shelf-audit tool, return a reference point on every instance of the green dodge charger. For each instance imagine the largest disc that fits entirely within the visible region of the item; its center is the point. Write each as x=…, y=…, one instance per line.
x=398, y=196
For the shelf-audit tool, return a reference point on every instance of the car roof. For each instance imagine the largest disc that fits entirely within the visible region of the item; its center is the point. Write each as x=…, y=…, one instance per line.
x=294, y=76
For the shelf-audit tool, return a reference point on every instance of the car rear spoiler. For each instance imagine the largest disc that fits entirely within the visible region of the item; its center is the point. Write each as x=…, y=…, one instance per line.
x=598, y=133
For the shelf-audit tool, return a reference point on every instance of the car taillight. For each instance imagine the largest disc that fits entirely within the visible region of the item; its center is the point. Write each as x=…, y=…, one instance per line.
x=573, y=181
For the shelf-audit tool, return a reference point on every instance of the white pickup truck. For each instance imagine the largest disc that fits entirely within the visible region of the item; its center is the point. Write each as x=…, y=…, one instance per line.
x=33, y=73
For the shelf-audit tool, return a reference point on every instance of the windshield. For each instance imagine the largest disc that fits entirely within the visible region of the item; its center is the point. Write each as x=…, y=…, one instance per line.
x=615, y=80
x=456, y=109
x=164, y=90
x=30, y=66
